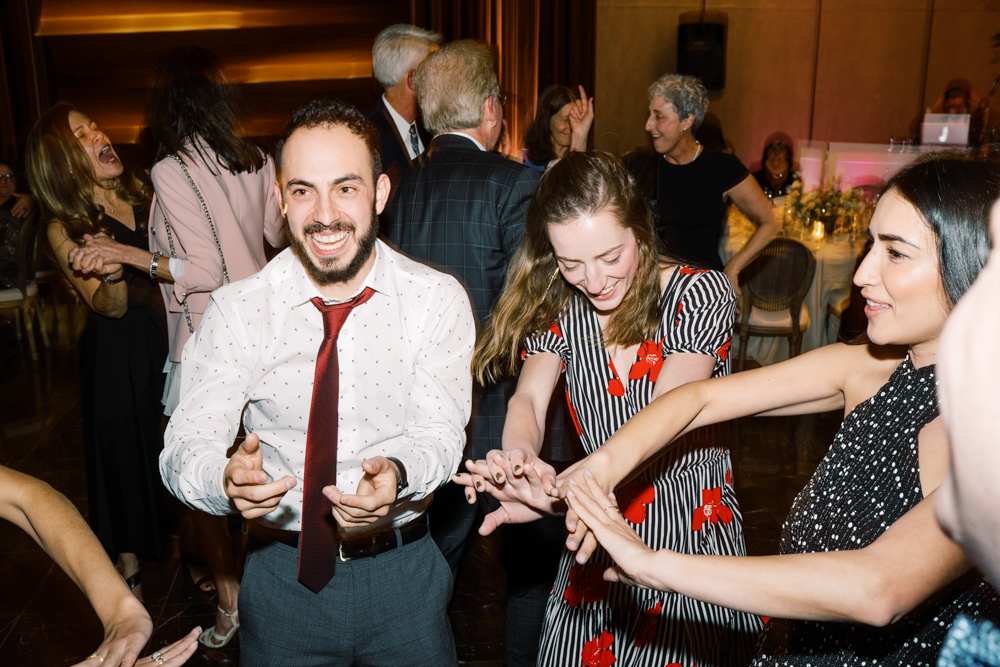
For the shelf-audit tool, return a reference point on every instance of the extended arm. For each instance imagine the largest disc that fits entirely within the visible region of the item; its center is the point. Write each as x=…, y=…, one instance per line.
x=524, y=425
x=55, y=524
x=758, y=208
x=876, y=585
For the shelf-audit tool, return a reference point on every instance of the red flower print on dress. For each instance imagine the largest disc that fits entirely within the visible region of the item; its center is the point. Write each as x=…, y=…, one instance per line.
x=765, y=619
x=679, y=307
x=615, y=386
x=524, y=354
x=712, y=509
x=729, y=477
x=586, y=584
x=723, y=351
x=635, y=497
x=597, y=652
x=572, y=413
x=645, y=630
x=555, y=329
x=688, y=271
x=650, y=361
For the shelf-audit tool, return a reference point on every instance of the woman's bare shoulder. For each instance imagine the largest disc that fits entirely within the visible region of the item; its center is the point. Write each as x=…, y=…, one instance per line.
x=869, y=367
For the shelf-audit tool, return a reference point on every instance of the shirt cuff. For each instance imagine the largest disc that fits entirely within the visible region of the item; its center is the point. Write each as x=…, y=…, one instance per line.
x=176, y=266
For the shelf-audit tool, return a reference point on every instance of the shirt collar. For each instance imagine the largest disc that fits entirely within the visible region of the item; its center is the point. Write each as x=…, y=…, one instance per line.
x=303, y=289
x=401, y=124
x=469, y=137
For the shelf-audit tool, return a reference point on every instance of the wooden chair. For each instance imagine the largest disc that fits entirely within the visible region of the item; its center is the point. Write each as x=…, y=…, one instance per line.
x=774, y=288
x=837, y=302
x=20, y=300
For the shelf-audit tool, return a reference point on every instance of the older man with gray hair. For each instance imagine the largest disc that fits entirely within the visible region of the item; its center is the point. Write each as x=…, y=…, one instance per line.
x=464, y=209
x=397, y=52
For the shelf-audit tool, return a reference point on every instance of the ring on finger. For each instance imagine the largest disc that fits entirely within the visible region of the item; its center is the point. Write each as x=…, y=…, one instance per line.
x=612, y=507
x=158, y=657
x=94, y=655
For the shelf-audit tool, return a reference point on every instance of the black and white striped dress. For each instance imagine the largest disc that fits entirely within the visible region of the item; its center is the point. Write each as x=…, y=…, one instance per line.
x=683, y=501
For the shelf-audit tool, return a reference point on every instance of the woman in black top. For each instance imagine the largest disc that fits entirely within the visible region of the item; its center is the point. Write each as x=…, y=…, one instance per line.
x=776, y=175
x=688, y=188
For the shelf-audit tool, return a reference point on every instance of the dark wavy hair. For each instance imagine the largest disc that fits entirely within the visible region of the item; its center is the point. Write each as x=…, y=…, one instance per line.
x=538, y=138
x=330, y=113
x=191, y=99
x=954, y=195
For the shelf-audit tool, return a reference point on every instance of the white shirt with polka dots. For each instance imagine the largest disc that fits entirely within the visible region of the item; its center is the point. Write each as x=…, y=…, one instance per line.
x=405, y=383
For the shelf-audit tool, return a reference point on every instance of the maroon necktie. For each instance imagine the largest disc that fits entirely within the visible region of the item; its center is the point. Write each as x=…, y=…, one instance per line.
x=318, y=541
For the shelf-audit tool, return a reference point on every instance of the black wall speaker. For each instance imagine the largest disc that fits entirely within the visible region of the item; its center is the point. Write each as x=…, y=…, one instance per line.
x=701, y=52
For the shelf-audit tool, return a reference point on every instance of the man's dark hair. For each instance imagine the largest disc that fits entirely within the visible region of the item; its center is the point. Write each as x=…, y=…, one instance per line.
x=330, y=113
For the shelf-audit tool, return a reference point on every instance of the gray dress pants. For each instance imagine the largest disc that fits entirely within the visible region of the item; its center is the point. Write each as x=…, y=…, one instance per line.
x=388, y=610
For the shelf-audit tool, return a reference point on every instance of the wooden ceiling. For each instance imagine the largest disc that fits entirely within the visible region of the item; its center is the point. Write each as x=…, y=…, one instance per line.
x=100, y=55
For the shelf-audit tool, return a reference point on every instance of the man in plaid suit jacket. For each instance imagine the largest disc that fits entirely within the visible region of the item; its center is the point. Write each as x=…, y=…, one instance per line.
x=463, y=211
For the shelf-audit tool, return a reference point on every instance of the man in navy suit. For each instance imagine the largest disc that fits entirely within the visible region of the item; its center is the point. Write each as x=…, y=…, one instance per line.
x=402, y=138
x=463, y=210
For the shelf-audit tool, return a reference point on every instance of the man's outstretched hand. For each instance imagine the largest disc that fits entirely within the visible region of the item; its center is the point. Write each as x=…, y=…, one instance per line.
x=376, y=493
x=245, y=481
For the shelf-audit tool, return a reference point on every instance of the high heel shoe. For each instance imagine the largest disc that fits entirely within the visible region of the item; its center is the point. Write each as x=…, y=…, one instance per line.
x=210, y=636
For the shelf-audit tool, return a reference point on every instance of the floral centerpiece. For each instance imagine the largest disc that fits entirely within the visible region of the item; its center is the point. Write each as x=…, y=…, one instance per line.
x=830, y=204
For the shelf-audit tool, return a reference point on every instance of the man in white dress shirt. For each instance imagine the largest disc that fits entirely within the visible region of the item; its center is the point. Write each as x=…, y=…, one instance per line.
x=400, y=372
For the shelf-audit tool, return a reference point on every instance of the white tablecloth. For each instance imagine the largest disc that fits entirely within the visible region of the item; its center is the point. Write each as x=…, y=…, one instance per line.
x=835, y=260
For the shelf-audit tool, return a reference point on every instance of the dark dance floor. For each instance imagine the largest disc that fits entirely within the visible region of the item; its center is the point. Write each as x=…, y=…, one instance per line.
x=45, y=620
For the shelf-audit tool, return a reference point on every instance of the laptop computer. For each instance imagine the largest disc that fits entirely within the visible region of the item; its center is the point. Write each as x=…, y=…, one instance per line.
x=943, y=129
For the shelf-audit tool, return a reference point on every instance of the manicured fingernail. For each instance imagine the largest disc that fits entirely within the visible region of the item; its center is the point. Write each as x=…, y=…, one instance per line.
x=571, y=494
x=498, y=477
x=581, y=559
x=479, y=485
x=517, y=468
x=571, y=544
x=588, y=473
x=573, y=482
x=468, y=497
x=571, y=527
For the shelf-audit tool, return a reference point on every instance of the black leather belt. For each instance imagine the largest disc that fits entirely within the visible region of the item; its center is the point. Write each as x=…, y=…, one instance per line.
x=352, y=548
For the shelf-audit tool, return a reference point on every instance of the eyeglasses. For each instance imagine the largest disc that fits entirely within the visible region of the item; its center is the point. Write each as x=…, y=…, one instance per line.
x=502, y=98
x=8, y=177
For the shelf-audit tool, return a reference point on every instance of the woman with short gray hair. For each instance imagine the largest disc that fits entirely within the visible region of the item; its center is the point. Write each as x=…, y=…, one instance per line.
x=689, y=189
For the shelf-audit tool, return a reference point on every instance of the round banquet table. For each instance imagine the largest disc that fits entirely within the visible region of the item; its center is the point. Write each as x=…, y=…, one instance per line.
x=835, y=260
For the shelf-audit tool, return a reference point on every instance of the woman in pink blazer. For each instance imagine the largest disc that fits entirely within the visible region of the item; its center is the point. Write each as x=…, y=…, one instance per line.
x=214, y=205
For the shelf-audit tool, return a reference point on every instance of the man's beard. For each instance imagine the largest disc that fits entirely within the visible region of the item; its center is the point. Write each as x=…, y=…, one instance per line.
x=323, y=275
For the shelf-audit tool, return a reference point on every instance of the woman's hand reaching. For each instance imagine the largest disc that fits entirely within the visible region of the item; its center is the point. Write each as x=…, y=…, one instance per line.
x=174, y=655
x=599, y=511
x=519, y=480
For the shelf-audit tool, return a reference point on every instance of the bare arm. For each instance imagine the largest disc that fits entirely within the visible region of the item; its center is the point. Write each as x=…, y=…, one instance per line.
x=758, y=208
x=55, y=524
x=803, y=380
x=525, y=422
x=113, y=252
x=876, y=585
x=104, y=299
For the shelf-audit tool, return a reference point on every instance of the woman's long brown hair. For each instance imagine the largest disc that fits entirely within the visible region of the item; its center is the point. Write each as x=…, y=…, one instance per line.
x=534, y=295
x=62, y=178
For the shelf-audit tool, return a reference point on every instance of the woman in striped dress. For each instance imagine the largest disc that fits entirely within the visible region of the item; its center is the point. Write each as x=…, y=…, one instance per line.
x=594, y=298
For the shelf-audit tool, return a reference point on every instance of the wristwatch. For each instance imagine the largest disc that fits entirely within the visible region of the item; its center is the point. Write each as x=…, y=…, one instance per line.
x=401, y=482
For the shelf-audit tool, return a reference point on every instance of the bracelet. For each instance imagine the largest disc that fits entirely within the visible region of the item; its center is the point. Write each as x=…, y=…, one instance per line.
x=154, y=264
x=114, y=281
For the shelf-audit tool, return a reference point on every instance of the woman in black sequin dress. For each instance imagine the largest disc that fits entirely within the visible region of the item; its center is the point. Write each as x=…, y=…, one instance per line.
x=864, y=564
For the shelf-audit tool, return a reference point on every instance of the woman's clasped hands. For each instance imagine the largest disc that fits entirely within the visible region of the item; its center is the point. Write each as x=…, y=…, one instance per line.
x=99, y=255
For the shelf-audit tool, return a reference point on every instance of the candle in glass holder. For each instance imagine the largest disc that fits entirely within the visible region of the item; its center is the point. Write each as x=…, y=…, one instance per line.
x=819, y=230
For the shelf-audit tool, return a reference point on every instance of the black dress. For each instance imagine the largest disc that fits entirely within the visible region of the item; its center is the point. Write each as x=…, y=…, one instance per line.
x=688, y=201
x=867, y=481
x=122, y=384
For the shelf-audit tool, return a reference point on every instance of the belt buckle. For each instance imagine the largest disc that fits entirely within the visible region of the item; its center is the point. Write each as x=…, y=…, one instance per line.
x=345, y=559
